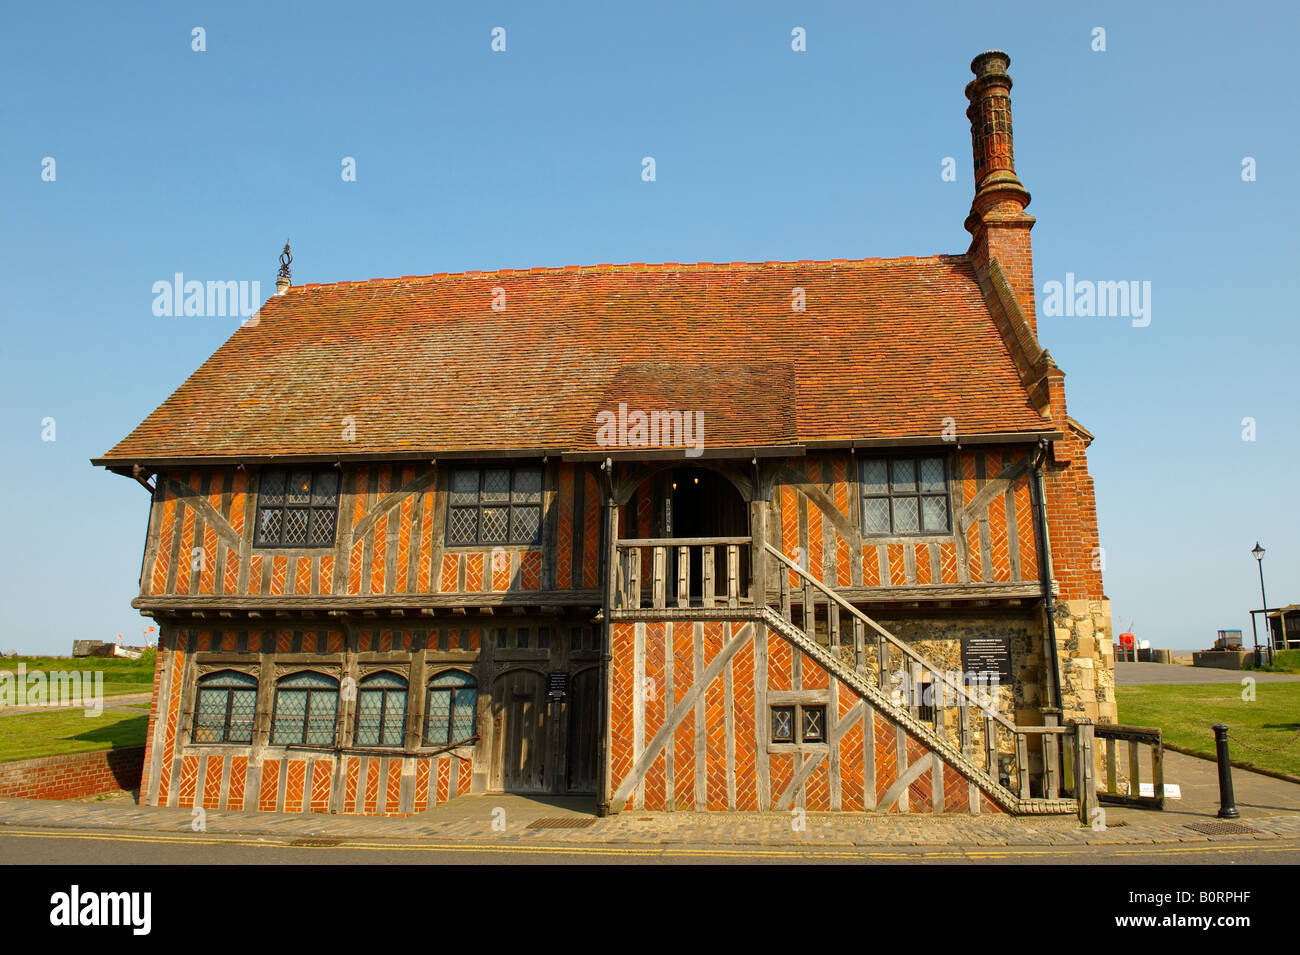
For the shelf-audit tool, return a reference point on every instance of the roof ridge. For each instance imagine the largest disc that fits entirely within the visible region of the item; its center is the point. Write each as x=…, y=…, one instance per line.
x=936, y=258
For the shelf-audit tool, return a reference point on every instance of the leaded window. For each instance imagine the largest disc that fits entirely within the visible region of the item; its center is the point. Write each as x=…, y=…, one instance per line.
x=905, y=496
x=297, y=508
x=306, y=709
x=495, y=506
x=224, y=704
x=798, y=724
x=381, y=710
x=453, y=702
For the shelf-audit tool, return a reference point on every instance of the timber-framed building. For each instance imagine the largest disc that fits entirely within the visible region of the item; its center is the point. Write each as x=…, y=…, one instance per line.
x=705, y=537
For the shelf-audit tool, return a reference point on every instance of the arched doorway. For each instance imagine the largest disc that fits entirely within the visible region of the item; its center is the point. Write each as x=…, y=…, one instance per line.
x=700, y=502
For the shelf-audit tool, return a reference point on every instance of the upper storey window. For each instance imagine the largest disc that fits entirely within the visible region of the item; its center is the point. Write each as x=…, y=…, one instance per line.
x=905, y=496
x=297, y=508
x=495, y=506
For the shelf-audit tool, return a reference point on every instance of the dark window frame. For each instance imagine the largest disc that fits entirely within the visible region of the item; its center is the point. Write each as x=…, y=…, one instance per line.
x=384, y=692
x=314, y=508
x=306, y=713
x=798, y=724
x=510, y=503
x=451, y=690
x=210, y=683
x=915, y=493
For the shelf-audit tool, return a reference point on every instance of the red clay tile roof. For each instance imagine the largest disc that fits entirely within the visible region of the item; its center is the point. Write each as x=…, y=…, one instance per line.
x=887, y=348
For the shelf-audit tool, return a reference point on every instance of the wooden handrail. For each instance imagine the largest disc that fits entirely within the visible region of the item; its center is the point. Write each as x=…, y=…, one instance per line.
x=683, y=541
x=903, y=647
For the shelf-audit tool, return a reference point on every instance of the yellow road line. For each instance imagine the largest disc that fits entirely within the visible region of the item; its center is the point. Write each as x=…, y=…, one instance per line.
x=641, y=849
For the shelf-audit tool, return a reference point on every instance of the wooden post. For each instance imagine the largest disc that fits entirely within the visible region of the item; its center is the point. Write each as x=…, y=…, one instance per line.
x=1134, y=769
x=634, y=577
x=733, y=576
x=991, y=747
x=809, y=611
x=706, y=575
x=1022, y=764
x=784, y=585
x=1158, y=772
x=659, y=585
x=1085, y=771
x=1112, y=770
x=833, y=626
x=1051, y=759
x=963, y=726
x=882, y=656
x=859, y=650
x=683, y=576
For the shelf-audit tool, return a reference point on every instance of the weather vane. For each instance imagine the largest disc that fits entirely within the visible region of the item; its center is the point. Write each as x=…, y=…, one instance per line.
x=286, y=257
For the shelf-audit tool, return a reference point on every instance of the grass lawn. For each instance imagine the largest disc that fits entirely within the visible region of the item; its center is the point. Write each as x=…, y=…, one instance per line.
x=120, y=676
x=58, y=732
x=1186, y=712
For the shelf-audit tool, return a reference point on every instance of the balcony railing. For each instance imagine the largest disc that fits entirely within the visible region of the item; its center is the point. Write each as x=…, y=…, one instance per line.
x=711, y=572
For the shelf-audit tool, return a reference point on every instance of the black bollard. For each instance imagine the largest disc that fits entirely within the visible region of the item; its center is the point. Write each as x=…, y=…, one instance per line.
x=1227, y=804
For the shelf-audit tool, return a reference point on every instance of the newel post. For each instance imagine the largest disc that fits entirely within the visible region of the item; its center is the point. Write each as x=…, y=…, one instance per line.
x=1085, y=770
x=758, y=551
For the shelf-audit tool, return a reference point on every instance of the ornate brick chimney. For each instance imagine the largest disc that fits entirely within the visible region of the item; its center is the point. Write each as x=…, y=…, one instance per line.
x=997, y=222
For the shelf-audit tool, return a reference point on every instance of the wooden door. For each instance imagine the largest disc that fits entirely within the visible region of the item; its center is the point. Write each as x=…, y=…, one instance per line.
x=584, y=721
x=520, y=724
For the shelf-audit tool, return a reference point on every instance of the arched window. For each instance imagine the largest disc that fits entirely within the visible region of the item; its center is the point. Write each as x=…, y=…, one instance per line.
x=306, y=708
x=223, y=707
x=453, y=700
x=381, y=710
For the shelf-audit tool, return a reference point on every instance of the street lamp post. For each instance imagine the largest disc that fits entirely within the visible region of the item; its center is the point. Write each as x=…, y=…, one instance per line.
x=1258, y=553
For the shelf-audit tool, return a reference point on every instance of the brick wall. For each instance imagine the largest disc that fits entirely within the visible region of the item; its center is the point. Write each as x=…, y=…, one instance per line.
x=390, y=539
x=689, y=729
x=72, y=776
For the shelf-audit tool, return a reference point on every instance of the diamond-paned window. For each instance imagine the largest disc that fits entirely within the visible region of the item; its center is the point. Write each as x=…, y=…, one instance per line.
x=452, y=705
x=813, y=729
x=783, y=724
x=495, y=506
x=297, y=508
x=905, y=496
x=381, y=710
x=306, y=709
x=798, y=724
x=224, y=704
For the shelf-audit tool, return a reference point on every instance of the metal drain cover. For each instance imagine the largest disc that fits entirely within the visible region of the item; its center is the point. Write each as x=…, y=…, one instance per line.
x=562, y=822
x=310, y=843
x=1221, y=828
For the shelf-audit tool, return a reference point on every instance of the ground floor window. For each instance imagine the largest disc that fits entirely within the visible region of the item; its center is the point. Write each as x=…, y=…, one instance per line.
x=306, y=708
x=798, y=724
x=381, y=710
x=452, y=702
x=223, y=708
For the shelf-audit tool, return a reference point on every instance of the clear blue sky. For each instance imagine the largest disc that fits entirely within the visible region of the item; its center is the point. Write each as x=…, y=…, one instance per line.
x=171, y=161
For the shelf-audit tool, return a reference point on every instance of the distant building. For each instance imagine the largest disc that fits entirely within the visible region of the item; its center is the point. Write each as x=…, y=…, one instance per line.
x=1284, y=627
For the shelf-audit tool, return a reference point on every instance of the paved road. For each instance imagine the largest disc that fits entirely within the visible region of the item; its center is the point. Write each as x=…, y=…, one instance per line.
x=36, y=846
x=1133, y=674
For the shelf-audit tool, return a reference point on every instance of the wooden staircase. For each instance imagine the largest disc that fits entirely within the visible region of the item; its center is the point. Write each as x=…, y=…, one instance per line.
x=960, y=725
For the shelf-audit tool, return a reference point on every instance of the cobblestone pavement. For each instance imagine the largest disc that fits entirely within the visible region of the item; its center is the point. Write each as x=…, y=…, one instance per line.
x=1270, y=810
x=506, y=818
